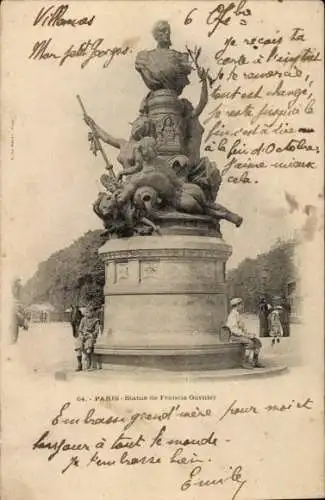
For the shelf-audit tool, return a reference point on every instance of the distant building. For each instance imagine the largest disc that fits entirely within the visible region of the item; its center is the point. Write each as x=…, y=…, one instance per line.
x=42, y=313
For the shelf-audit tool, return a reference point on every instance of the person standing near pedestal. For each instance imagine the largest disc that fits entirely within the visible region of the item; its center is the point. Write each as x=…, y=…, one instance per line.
x=75, y=318
x=276, y=330
x=239, y=334
x=89, y=330
x=264, y=310
x=285, y=315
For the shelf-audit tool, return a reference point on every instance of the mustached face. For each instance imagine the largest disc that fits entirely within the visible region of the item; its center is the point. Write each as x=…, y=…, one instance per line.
x=161, y=33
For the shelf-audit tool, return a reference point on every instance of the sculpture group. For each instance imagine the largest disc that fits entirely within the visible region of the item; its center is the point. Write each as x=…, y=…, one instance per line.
x=163, y=176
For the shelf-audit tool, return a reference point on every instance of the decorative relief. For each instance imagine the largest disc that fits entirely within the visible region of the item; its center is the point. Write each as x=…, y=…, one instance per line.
x=161, y=253
x=122, y=271
x=149, y=270
x=168, y=131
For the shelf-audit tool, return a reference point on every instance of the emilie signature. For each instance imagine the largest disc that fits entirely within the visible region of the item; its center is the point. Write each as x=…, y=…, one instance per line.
x=235, y=478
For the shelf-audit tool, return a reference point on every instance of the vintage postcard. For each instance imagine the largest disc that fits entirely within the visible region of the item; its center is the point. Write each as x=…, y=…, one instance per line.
x=162, y=278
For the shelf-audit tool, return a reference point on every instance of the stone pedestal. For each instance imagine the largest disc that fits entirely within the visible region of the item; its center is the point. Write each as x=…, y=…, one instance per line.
x=165, y=301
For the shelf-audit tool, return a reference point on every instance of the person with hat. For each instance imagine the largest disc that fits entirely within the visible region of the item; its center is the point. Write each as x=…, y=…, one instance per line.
x=239, y=334
x=88, y=331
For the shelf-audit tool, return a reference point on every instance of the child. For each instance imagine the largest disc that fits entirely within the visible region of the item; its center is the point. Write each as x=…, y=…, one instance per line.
x=89, y=329
x=276, y=330
x=239, y=334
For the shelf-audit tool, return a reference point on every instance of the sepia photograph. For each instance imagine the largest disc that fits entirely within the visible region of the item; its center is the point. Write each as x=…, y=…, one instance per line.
x=162, y=249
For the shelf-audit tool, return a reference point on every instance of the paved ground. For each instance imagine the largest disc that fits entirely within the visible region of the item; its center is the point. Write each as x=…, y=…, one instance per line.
x=48, y=349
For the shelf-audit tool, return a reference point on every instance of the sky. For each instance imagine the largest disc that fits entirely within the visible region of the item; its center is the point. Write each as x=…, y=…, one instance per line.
x=51, y=179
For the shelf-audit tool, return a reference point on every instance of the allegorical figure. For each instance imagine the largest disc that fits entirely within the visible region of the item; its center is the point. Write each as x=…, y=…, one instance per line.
x=162, y=167
x=128, y=156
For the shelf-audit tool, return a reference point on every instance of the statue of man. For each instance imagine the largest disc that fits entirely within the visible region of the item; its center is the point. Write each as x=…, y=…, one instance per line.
x=163, y=67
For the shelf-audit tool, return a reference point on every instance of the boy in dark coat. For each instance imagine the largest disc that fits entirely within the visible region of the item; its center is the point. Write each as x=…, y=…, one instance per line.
x=88, y=331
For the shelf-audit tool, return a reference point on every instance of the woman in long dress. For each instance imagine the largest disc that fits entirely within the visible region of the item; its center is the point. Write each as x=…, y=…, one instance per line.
x=263, y=312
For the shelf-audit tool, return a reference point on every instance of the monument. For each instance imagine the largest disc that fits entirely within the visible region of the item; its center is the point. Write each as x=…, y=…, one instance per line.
x=165, y=259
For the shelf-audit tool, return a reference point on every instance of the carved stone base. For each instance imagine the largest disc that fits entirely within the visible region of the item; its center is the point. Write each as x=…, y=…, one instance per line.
x=165, y=301
x=213, y=357
x=186, y=224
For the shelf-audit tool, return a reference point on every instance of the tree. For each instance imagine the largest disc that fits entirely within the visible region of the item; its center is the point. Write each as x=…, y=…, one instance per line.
x=268, y=274
x=74, y=274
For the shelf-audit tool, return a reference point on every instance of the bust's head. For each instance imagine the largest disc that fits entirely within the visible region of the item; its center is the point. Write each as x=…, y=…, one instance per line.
x=161, y=33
